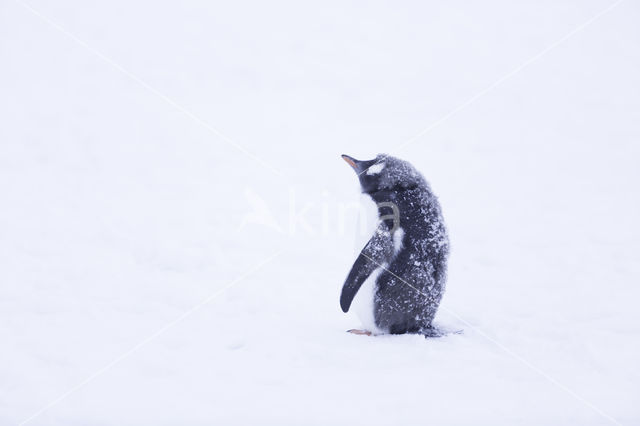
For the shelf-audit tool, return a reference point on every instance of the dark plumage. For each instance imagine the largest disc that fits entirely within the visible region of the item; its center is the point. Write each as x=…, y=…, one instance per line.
x=412, y=248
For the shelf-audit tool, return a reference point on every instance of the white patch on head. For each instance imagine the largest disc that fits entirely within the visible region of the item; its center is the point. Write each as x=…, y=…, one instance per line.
x=397, y=240
x=376, y=168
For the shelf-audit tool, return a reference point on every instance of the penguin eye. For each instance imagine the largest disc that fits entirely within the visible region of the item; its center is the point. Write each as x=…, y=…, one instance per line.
x=375, y=169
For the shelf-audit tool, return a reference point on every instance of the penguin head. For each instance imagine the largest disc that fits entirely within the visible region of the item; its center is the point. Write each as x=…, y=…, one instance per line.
x=385, y=173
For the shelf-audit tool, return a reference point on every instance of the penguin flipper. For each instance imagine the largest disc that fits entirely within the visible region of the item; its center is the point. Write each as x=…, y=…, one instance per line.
x=375, y=253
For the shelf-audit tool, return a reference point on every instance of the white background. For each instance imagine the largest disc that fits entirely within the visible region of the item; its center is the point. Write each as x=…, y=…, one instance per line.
x=122, y=209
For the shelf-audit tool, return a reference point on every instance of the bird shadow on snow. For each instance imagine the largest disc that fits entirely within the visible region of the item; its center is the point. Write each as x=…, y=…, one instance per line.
x=434, y=332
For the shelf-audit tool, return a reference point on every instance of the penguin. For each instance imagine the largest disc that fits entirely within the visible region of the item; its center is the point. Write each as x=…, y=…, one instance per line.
x=402, y=270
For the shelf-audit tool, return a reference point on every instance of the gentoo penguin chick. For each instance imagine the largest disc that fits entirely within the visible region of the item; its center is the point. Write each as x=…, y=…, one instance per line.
x=406, y=258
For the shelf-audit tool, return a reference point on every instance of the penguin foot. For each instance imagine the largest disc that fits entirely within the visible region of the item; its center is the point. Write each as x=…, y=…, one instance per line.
x=360, y=332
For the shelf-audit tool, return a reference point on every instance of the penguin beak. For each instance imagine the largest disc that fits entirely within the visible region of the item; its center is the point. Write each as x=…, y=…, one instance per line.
x=355, y=164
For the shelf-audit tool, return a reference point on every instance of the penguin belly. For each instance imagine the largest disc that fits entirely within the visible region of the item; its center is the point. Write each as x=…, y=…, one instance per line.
x=363, y=303
x=367, y=222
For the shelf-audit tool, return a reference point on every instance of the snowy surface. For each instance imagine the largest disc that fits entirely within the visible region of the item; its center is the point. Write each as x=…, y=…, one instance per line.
x=130, y=230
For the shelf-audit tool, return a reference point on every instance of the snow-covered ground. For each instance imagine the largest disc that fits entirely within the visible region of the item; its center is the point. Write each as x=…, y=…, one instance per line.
x=176, y=221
